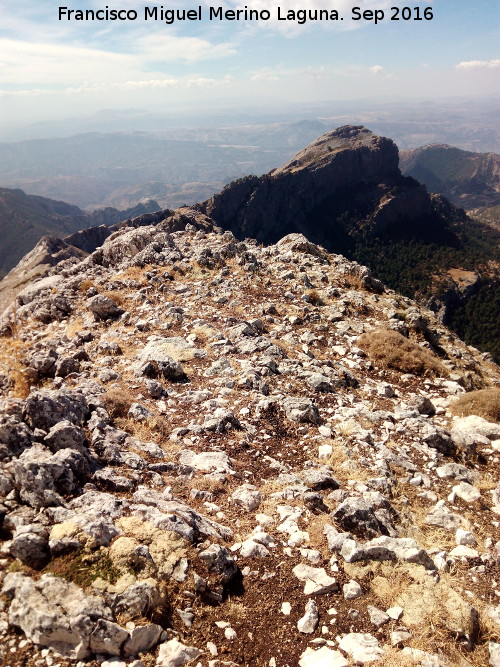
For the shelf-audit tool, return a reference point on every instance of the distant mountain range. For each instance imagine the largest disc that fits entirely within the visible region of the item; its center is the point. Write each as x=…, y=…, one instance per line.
x=121, y=168
x=24, y=219
x=118, y=159
x=470, y=180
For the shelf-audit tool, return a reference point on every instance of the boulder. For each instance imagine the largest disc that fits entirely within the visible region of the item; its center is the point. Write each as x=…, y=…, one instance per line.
x=104, y=308
x=316, y=580
x=367, y=516
x=57, y=614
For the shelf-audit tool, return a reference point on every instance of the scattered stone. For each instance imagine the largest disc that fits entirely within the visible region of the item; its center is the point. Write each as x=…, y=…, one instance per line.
x=352, y=590
x=465, y=538
x=324, y=657
x=360, y=647
x=395, y=613
x=286, y=608
x=175, y=654
x=247, y=497
x=377, y=616
x=494, y=654
x=317, y=581
x=104, y=308
x=367, y=517
x=309, y=622
x=466, y=492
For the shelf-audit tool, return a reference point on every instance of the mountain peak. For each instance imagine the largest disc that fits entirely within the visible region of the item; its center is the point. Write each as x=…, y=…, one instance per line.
x=346, y=138
x=350, y=167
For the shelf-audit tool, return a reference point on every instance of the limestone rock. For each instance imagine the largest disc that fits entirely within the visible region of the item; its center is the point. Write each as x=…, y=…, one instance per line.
x=317, y=581
x=352, y=590
x=309, y=622
x=55, y=613
x=367, y=517
x=104, y=308
x=175, y=654
x=430, y=600
x=323, y=657
x=362, y=648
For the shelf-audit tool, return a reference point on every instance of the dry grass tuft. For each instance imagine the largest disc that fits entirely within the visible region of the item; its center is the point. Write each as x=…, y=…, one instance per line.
x=315, y=298
x=12, y=363
x=117, y=402
x=484, y=403
x=86, y=284
x=118, y=296
x=353, y=280
x=389, y=349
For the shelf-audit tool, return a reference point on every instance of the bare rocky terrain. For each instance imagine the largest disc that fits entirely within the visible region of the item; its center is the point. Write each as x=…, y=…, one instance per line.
x=217, y=453
x=198, y=451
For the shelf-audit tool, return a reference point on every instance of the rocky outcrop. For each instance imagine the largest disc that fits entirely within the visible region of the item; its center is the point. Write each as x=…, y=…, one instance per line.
x=468, y=179
x=346, y=170
x=25, y=219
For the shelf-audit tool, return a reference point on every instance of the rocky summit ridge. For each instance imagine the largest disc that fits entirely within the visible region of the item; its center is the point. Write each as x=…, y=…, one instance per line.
x=349, y=168
x=220, y=454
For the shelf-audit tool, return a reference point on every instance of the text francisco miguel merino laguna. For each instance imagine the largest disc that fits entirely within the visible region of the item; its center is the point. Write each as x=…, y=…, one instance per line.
x=199, y=13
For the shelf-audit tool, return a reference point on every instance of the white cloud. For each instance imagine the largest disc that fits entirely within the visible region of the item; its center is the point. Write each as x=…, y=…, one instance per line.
x=265, y=76
x=25, y=63
x=188, y=49
x=125, y=86
x=478, y=64
x=201, y=82
x=376, y=69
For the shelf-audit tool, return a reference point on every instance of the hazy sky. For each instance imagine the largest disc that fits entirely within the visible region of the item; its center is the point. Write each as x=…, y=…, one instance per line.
x=53, y=68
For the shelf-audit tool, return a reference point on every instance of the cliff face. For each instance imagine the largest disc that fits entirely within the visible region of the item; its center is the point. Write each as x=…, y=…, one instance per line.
x=345, y=171
x=468, y=179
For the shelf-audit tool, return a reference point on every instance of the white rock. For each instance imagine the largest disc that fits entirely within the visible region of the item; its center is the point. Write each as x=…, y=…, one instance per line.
x=494, y=650
x=309, y=622
x=247, y=497
x=377, y=616
x=465, y=537
x=466, y=492
x=264, y=520
x=286, y=608
x=174, y=654
x=424, y=658
x=352, y=590
x=399, y=636
x=324, y=657
x=361, y=647
x=251, y=549
x=262, y=537
x=324, y=451
x=142, y=638
x=297, y=538
x=464, y=552
x=317, y=581
x=473, y=430
x=395, y=613
x=230, y=634
x=212, y=649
